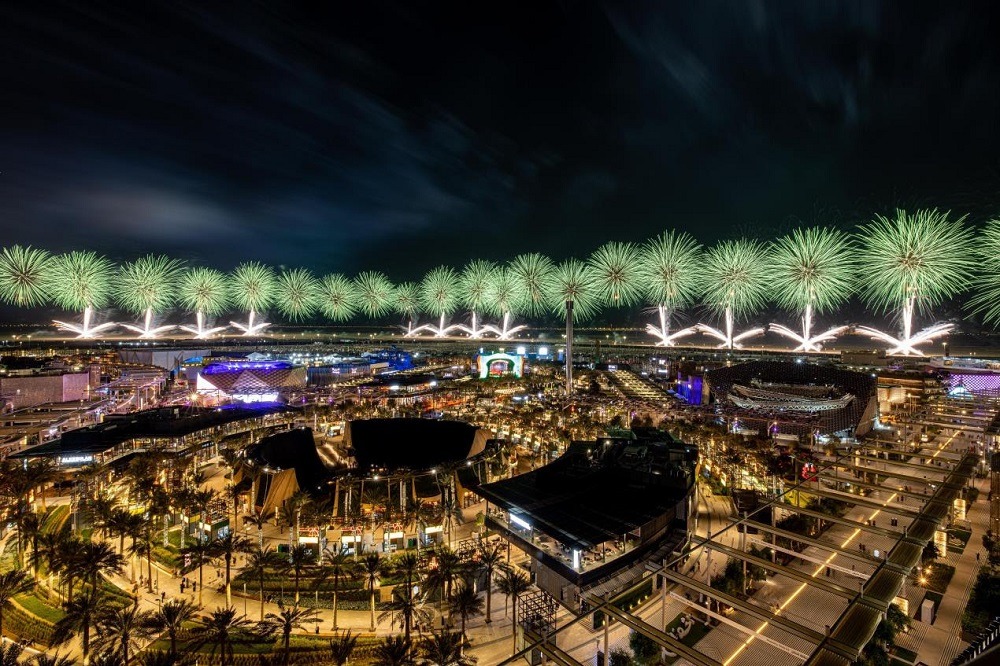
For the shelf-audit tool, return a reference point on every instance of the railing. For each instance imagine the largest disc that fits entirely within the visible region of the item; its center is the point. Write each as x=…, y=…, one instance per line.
x=987, y=642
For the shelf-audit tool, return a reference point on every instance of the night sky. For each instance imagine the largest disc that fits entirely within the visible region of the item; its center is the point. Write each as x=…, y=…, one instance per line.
x=396, y=136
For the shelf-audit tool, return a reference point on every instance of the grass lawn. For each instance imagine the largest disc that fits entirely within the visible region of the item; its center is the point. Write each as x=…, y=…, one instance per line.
x=37, y=607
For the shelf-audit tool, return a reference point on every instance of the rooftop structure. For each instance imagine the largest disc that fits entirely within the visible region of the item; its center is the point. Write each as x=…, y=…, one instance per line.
x=392, y=444
x=592, y=518
x=795, y=398
x=172, y=429
x=250, y=381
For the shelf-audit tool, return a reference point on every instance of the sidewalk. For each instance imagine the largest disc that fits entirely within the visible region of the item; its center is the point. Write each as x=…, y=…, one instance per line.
x=943, y=640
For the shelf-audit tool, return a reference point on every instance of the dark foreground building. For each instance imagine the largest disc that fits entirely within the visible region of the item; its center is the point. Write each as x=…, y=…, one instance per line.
x=592, y=519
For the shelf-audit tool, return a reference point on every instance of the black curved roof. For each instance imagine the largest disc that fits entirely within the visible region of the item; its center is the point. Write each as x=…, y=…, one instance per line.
x=409, y=443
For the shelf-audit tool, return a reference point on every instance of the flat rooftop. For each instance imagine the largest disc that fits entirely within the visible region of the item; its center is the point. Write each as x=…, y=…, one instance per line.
x=599, y=491
x=165, y=422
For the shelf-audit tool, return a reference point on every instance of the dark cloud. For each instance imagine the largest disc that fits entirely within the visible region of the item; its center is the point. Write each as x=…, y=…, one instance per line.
x=402, y=135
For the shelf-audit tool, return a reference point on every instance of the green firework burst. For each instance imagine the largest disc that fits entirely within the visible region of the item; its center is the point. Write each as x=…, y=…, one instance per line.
x=407, y=300
x=22, y=275
x=735, y=275
x=440, y=291
x=986, y=299
x=533, y=274
x=149, y=283
x=617, y=274
x=502, y=295
x=671, y=269
x=79, y=280
x=813, y=267
x=475, y=281
x=203, y=290
x=252, y=286
x=374, y=293
x=574, y=281
x=336, y=297
x=297, y=291
x=924, y=256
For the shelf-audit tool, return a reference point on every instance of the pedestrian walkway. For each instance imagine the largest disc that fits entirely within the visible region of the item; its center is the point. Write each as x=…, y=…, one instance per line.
x=943, y=640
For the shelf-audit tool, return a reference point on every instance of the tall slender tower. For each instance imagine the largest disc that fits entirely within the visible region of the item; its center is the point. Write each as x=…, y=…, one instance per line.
x=569, y=347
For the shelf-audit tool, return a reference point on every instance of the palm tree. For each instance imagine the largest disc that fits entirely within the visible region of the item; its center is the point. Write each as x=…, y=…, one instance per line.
x=338, y=566
x=489, y=559
x=160, y=502
x=121, y=630
x=258, y=520
x=288, y=619
x=451, y=513
x=371, y=568
x=13, y=583
x=10, y=654
x=202, y=498
x=341, y=647
x=394, y=651
x=259, y=563
x=81, y=614
x=120, y=522
x=445, y=649
x=226, y=547
x=182, y=498
x=466, y=603
x=419, y=514
x=170, y=618
x=220, y=629
x=300, y=557
x=406, y=608
x=513, y=583
x=408, y=565
x=97, y=559
x=31, y=526
x=142, y=547
x=295, y=504
x=448, y=569
x=67, y=562
x=44, y=659
x=200, y=553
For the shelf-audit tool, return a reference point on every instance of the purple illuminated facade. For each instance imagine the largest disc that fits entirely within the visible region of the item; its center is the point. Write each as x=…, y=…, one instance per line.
x=690, y=388
x=237, y=366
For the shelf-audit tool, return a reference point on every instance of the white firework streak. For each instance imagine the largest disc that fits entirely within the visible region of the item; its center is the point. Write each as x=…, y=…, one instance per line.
x=412, y=332
x=728, y=340
x=507, y=331
x=85, y=331
x=202, y=333
x=807, y=341
x=907, y=344
x=442, y=331
x=250, y=328
x=477, y=330
x=663, y=331
x=147, y=331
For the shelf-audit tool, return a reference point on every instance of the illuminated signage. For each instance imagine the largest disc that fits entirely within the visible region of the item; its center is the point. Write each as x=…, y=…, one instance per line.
x=75, y=460
x=492, y=366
